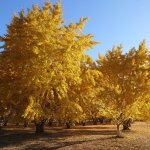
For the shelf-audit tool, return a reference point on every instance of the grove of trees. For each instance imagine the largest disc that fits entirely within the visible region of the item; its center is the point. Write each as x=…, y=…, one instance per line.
x=46, y=75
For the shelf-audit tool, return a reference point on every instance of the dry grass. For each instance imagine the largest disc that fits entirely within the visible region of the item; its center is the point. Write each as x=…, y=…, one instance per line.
x=99, y=137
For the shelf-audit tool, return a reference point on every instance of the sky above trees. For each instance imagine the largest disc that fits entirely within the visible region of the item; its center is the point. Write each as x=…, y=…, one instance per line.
x=111, y=22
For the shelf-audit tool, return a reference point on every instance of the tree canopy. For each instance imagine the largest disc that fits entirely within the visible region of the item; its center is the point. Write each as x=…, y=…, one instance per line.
x=45, y=73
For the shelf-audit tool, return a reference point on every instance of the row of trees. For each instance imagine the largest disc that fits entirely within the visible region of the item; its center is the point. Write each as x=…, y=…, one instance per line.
x=45, y=73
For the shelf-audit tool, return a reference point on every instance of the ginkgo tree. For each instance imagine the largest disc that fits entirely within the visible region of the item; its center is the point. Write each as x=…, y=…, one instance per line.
x=45, y=73
x=42, y=59
x=92, y=107
x=144, y=104
x=126, y=81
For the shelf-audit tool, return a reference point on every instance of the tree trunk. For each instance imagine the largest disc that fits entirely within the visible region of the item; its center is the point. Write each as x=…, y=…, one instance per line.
x=94, y=121
x=50, y=122
x=101, y=120
x=118, y=131
x=5, y=123
x=39, y=127
x=83, y=123
x=26, y=124
x=127, y=124
x=68, y=124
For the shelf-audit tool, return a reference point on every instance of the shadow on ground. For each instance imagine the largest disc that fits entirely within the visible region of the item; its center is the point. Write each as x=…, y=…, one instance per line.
x=9, y=138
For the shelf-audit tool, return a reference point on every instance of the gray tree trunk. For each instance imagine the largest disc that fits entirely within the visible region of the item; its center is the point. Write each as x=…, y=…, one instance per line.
x=119, y=134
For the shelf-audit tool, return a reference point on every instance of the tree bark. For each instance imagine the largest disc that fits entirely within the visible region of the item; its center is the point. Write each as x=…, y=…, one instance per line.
x=50, y=122
x=26, y=124
x=127, y=124
x=68, y=124
x=5, y=123
x=101, y=120
x=118, y=131
x=39, y=127
x=83, y=123
x=94, y=121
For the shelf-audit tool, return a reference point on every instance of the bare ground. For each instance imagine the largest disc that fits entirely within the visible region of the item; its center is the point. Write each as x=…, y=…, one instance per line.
x=98, y=137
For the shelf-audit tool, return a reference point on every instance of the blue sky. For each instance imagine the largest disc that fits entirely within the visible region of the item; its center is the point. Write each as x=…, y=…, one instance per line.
x=110, y=21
